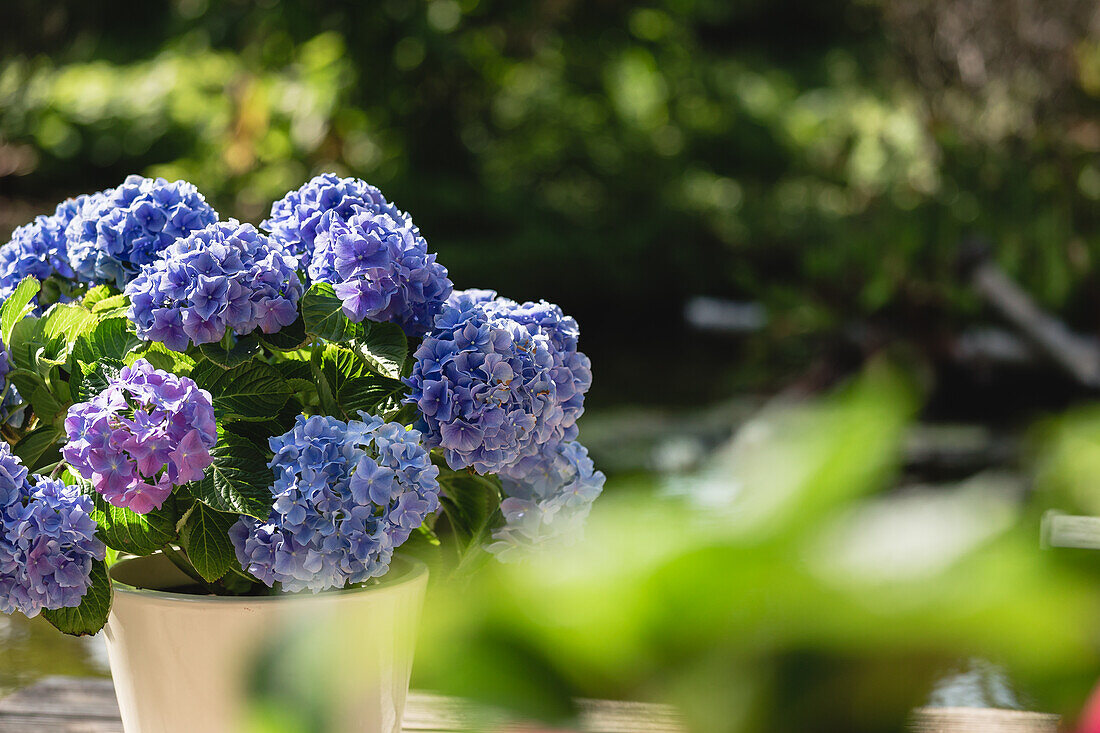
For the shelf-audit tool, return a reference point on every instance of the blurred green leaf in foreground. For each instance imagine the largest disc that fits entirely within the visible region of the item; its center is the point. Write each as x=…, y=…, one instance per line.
x=783, y=591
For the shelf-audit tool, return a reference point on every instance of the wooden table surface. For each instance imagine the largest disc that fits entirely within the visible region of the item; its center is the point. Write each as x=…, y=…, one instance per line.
x=87, y=705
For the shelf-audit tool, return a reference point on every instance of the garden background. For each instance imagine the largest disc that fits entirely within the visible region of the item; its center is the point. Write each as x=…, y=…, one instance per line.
x=760, y=212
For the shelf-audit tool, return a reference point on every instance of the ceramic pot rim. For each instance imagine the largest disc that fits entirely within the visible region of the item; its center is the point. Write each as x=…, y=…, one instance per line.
x=403, y=571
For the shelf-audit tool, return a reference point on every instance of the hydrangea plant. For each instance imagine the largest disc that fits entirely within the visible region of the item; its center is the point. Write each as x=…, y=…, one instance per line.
x=275, y=412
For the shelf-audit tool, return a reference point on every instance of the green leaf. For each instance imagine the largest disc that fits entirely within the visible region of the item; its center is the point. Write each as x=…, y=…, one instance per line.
x=383, y=348
x=250, y=391
x=16, y=306
x=39, y=447
x=205, y=538
x=111, y=306
x=94, y=378
x=123, y=529
x=341, y=365
x=373, y=394
x=163, y=358
x=326, y=392
x=47, y=406
x=298, y=374
x=322, y=314
x=243, y=351
x=25, y=342
x=94, y=295
x=238, y=479
x=472, y=505
x=111, y=338
x=27, y=381
x=66, y=320
x=290, y=338
x=90, y=616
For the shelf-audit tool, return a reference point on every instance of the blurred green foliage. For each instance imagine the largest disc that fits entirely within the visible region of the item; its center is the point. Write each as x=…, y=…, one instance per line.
x=789, y=594
x=616, y=157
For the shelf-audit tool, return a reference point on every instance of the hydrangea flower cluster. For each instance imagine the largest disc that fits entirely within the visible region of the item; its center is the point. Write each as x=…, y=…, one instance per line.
x=345, y=495
x=38, y=248
x=47, y=541
x=381, y=269
x=225, y=276
x=548, y=497
x=146, y=433
x=498, y=380
x=120, y=229
x=295, y=218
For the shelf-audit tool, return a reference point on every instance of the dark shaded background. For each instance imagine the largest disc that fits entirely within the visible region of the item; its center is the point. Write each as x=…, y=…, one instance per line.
x=825, y=159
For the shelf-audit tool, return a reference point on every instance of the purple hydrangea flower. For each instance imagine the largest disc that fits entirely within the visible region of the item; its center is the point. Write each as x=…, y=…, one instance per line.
x=225, y=276
x=38, y=249
x=295, y=217
x=497, y=380
x=117, y=231
x=381, y=269
x=548, y=497
x=345, y=496
x=146, y=433
x=47, y=541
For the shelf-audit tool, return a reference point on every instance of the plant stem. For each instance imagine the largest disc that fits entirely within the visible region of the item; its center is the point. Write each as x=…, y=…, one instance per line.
x=57, y=469
x=180, y=561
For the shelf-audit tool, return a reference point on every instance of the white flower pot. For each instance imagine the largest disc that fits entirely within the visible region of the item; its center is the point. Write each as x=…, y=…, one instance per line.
x=187, y=663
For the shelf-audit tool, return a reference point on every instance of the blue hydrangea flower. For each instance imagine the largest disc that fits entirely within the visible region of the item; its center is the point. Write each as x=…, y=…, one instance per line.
x=380, y=268
x=117, y=231
x=496, y=380
x=11, y=397
x=38, y=248
x=47, y=541
x=295, y=217
x=345, y=496
x=547, y=498
x=225, y=276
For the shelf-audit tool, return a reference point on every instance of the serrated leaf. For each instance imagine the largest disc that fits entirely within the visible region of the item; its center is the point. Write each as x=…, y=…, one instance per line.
x=238, y=479
x=94, y=378
x=472, y=505
x=94, y=295
x=373, y=394
x=25, y=342
x=39, y=447
x=123, y=529
x=163, y=358
x=290, y=338
x=205, y=538
x=242, y=352
x=341, y=364
x=66, y=320
x=383, y=347
x=294, y=369
x=326, y=392
x=112, y=338
x=323, y=316
x=108, y=306
x=46, y=405
x=27, y=381
x=298, y=374
x=251, y=391
x=90, y=616
x=17, y=305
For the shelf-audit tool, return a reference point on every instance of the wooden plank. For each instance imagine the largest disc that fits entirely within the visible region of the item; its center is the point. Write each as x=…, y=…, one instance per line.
x=1063, y=530
x=87, y=705
x=92, y=697
x=57, y=724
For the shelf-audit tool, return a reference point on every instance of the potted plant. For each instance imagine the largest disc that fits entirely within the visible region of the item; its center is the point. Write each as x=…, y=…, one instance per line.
x=215, y=434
